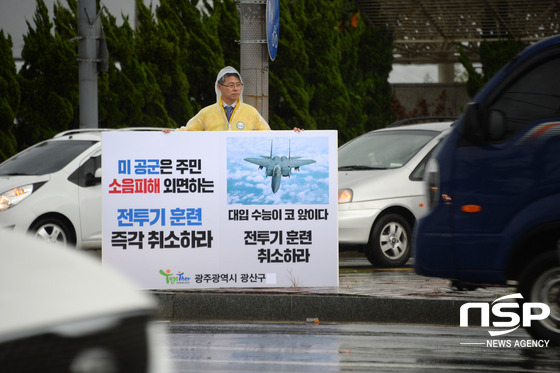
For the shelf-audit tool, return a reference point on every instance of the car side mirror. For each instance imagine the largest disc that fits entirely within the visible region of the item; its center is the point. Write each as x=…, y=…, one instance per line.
x=93, y=179
x=472, y=128
x=496, y=125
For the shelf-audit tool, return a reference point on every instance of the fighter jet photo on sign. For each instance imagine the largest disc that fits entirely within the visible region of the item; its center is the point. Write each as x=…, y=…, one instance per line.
x=279, y=166
x=247, y=185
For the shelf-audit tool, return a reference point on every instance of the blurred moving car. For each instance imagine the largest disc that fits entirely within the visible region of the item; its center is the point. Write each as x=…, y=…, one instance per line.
x=493, y=190
x=381, y=194
x=53, y=188
x=60, y=311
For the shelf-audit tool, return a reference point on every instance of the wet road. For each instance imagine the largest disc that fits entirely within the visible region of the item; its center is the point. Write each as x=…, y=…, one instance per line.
x=310, y=347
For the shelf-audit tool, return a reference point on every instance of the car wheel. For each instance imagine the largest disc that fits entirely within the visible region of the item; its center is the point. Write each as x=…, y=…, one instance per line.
x=540, y=282
x=53, y=230
x=389, y=243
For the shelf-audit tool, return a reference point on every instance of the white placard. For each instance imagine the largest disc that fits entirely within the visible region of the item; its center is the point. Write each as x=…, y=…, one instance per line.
x=196, y=210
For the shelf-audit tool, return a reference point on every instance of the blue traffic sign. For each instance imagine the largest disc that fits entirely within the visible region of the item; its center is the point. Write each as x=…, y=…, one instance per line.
x=272, y=26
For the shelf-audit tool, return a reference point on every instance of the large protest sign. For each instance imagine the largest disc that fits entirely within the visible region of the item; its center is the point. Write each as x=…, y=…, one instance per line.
x=221, y=209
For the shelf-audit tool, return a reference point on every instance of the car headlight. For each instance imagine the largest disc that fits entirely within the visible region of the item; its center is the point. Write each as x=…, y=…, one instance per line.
x=345, y=195
x=431, y=182
x=14, y=196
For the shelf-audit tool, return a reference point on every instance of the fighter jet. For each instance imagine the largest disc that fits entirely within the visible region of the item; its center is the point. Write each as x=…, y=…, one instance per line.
x=279, y=166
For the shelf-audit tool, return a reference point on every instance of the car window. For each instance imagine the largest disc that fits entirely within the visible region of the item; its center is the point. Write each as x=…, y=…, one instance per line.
x=45, y=158
x=535, y=95
x=418, y=173
x=383, y=149
x=84, y=175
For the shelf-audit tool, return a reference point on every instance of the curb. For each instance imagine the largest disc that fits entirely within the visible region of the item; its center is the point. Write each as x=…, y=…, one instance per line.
x=207, y=306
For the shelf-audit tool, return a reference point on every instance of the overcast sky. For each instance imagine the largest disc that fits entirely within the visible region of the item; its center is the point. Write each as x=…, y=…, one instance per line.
x=15, y=13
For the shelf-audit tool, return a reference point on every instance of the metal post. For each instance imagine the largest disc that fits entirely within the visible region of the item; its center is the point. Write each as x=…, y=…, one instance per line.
x=87, y=57
x=254, y=54
x=446, y=73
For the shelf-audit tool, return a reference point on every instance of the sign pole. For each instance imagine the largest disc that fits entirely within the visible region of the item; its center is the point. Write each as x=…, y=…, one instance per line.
x=259, y=41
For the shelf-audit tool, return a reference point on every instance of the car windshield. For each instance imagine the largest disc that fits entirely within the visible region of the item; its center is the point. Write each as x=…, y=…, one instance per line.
x=45, y=158
x=382, y=149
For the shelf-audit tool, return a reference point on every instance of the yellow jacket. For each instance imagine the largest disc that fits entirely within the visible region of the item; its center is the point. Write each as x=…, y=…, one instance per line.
x=213, y=118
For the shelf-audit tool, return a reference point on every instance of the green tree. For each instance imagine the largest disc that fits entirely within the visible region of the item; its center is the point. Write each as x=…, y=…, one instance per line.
x=159, y=47
x=225, y=17
x=290, y=96
x=9, y=97
x=493, y=55
x=365, y=65
x=330, y=103
x=376, y=63
x=49, y=93
x=198, y=36
x=129, y=94
x=65, y=22
x=120, y=95
x=331, y=71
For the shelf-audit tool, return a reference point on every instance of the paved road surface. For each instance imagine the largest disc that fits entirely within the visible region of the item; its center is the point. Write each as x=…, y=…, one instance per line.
x=309, y=347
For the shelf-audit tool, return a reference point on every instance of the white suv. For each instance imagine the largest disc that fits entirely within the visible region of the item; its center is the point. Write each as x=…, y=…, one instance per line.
x=53, y=189
x=381, y=193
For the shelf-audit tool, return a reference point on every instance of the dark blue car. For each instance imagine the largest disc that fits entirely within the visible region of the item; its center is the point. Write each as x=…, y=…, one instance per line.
x=494, y=189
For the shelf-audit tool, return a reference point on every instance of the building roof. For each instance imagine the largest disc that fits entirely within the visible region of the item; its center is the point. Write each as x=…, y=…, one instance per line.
x=430, y=31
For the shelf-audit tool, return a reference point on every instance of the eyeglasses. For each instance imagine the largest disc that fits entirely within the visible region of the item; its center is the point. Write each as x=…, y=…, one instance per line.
x=231, y=86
